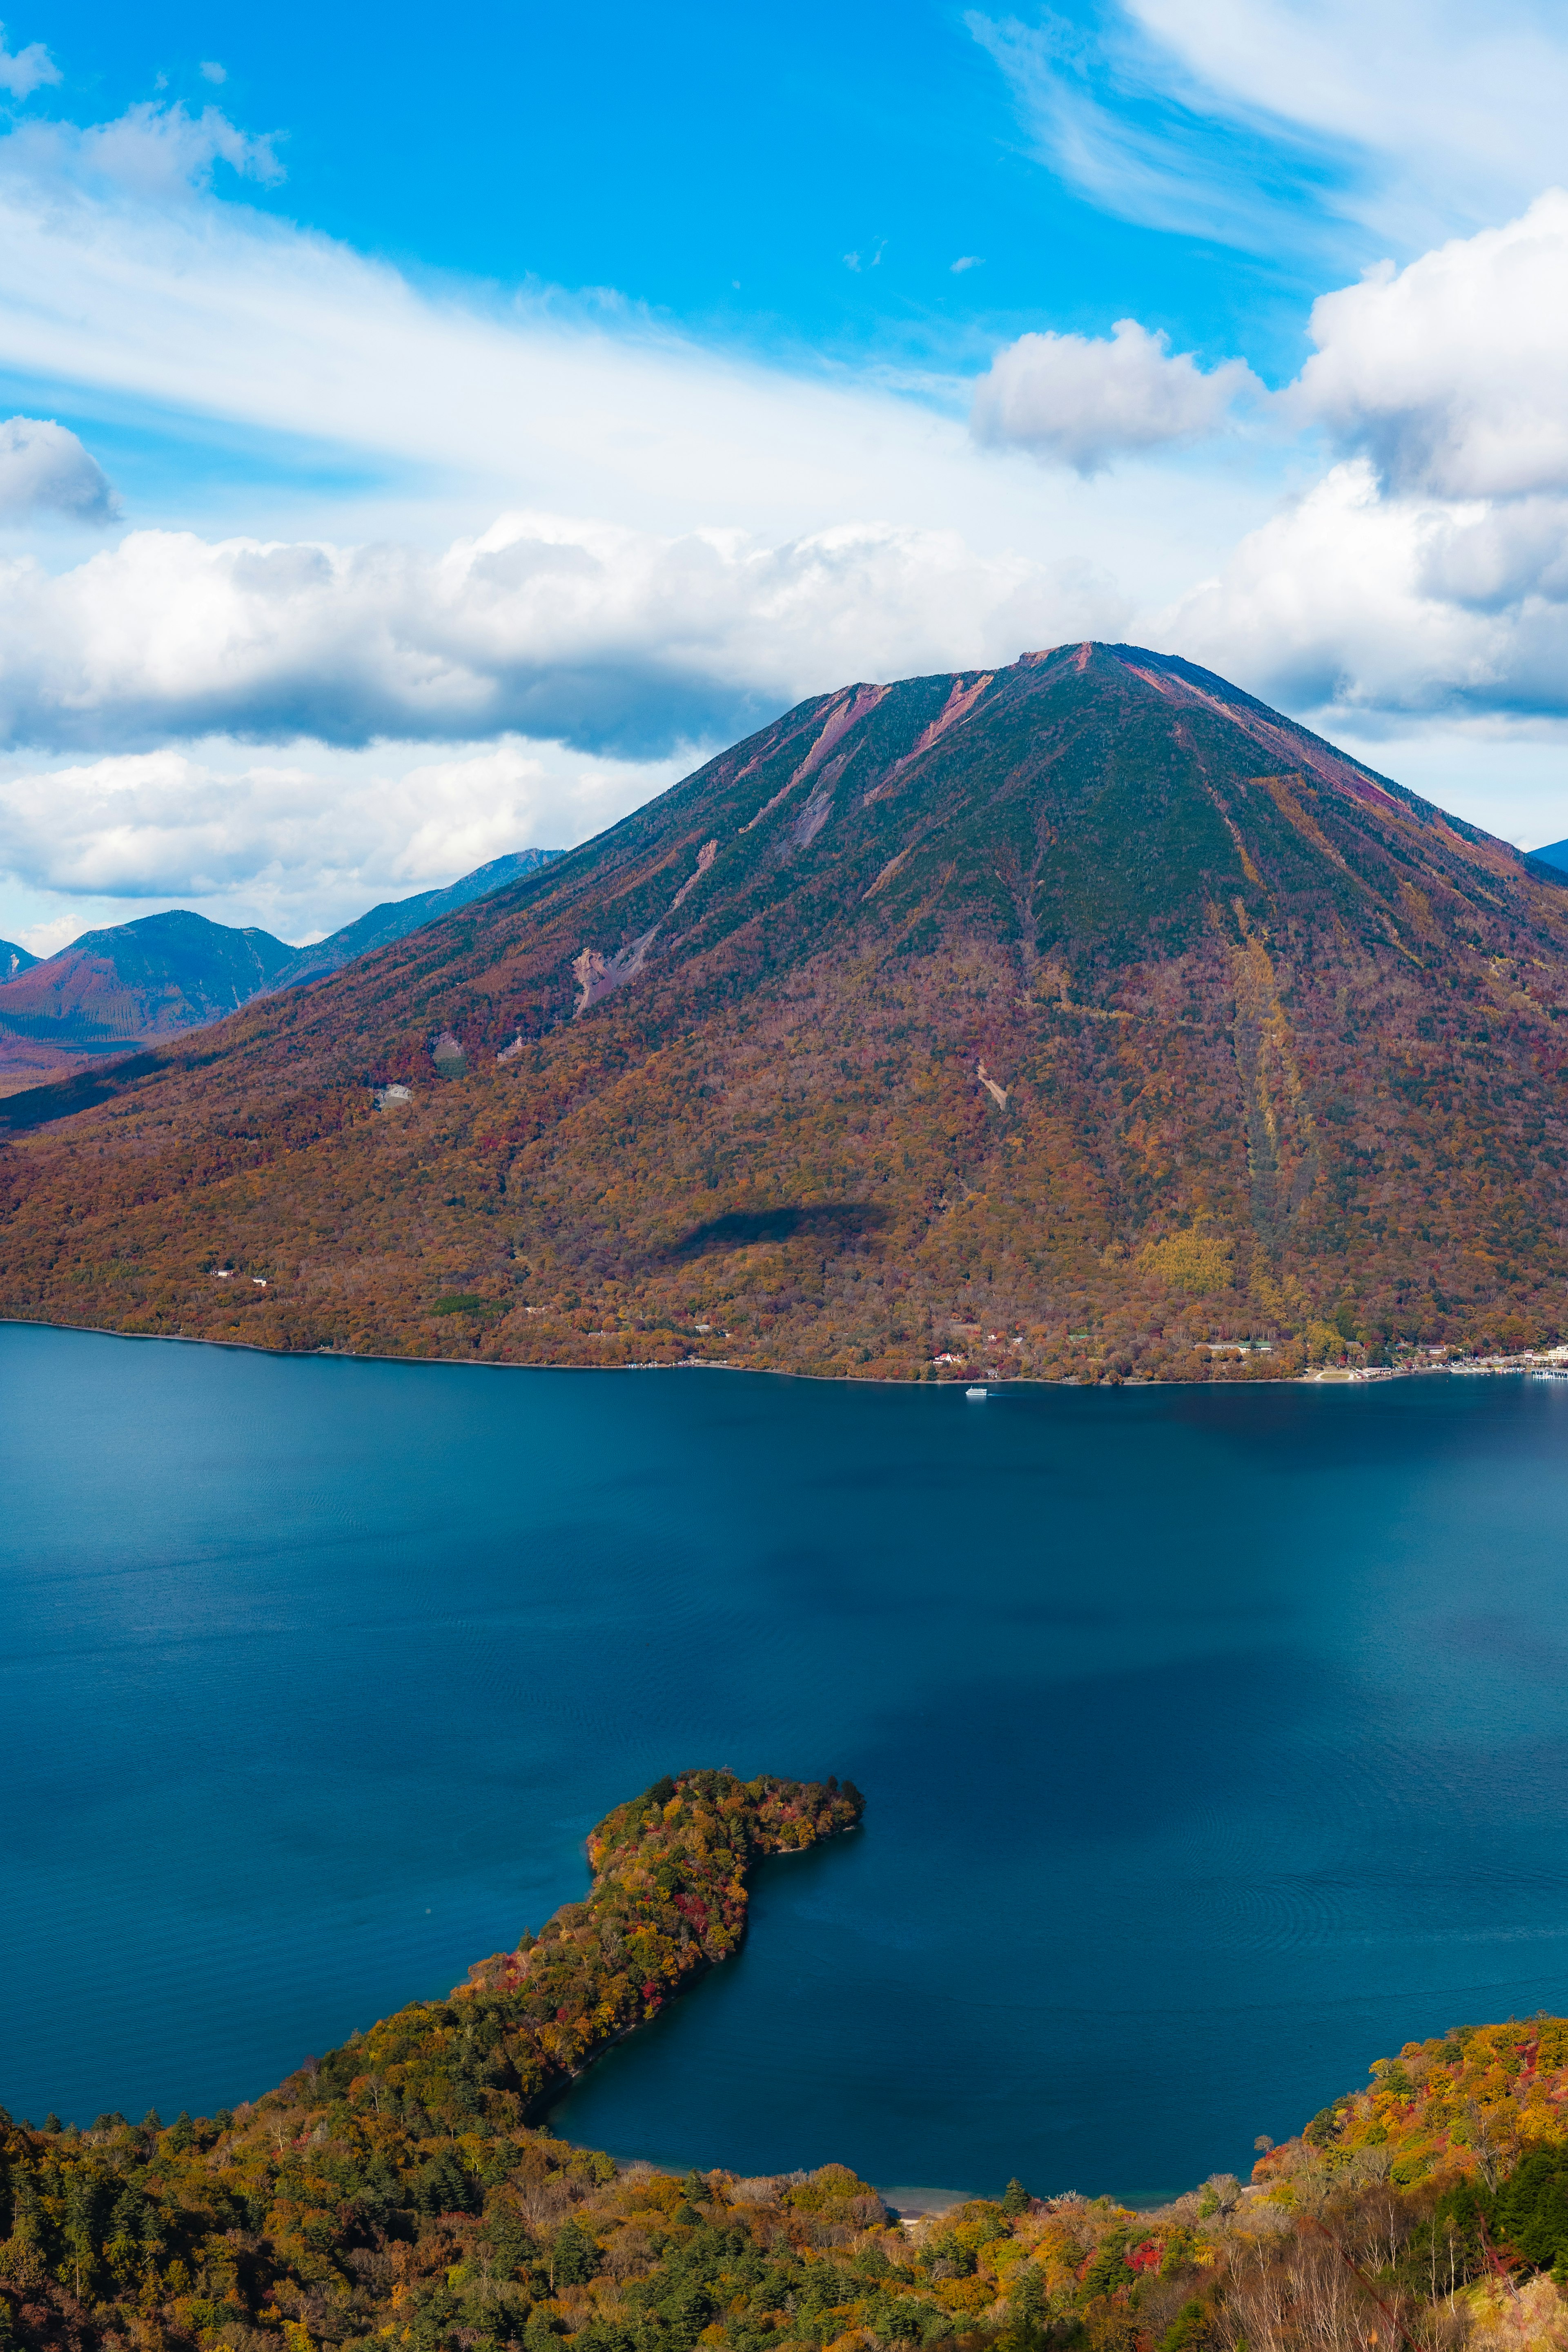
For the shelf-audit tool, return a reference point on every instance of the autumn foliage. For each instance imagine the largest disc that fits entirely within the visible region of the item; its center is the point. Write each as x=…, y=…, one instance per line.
x=668, y=1900
x=1060, y=1020
x=396, y=2193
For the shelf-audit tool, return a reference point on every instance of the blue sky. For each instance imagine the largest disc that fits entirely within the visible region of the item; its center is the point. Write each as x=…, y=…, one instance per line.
x=425, y=440
x=717, y=164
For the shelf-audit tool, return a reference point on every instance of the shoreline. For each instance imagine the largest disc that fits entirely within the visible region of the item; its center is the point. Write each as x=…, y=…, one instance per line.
x=1369, y=1376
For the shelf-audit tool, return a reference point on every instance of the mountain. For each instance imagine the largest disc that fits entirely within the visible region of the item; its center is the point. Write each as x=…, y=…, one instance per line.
x=114, y=989
x=13, y=960
x=1555, y=853
x=396, y=917
x=111, y=989
x=1066, y=1018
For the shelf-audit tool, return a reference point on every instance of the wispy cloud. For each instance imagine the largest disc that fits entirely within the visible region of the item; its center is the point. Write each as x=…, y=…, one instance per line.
x=162, y=301
x=967, y=261
x=1293, y=131
x=1117, y=117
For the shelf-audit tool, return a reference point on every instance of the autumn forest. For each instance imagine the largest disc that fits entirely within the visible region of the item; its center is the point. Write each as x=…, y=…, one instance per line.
x=1068, y=1021
x=405, y=2191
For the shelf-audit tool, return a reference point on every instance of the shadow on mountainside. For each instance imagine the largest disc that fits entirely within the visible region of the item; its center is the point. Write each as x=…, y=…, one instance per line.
x=58, y=1097
x=830, y=1220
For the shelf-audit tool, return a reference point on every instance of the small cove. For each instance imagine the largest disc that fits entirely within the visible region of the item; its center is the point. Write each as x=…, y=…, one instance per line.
x=1215, y=1740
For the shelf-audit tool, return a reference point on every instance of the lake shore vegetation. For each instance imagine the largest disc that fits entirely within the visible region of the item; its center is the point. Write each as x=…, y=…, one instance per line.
x=402, y=2192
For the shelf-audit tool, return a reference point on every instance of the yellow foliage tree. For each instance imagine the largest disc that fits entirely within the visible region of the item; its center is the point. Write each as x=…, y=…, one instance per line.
x=1193, y=1261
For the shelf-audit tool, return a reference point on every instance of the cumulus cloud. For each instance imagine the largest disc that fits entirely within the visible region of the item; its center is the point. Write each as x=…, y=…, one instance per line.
x=299, y=843
x=45, y=469
x=1453, y=373
x=610, y=639
x=1084, y=400
x=1362, y=605
x=28, y=70
x=150, y=152
x=1426, y=574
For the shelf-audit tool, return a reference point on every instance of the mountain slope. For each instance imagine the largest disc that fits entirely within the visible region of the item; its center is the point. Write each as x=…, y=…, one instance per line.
x=111, y=989
x=1060, y=1018
x=395, y=917
x=1553, y=853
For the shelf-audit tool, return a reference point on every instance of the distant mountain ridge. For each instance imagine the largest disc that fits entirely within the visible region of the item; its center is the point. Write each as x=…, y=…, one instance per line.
x=131, y=983
x=395, y=917
x=1069, y=1018
x=113, y=988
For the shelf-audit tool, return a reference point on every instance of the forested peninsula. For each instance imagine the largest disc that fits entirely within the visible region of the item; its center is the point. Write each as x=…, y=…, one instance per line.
x=399, y=2193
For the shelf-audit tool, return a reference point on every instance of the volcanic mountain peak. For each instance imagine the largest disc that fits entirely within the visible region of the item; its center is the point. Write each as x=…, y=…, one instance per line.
x=1063, y=1015
x=1095, y=800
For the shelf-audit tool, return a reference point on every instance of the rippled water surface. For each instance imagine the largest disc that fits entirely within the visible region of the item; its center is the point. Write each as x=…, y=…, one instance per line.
x=1216, y=1742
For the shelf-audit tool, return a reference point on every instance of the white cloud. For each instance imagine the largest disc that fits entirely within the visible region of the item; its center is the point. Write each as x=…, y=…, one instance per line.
x=1355, y=604
x=28, y=70
x=213, y=71
x=1107, y=114
x=1457, y=113
x=1453, y=373
x=45, y=469
x=1428, y=575
x=609, y=638
x=967, y=261
x=736, y=575
x=300, y=842
x=1084, y=400
x=1296, y=127
x=142, y=294
x=149, y=153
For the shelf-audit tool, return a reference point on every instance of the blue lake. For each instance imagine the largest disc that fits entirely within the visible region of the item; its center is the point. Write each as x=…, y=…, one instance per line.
x=1216, y=1742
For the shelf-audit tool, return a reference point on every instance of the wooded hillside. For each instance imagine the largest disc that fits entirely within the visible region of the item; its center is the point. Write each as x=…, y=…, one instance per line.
x=396, y=2193
x=1059, y=1020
